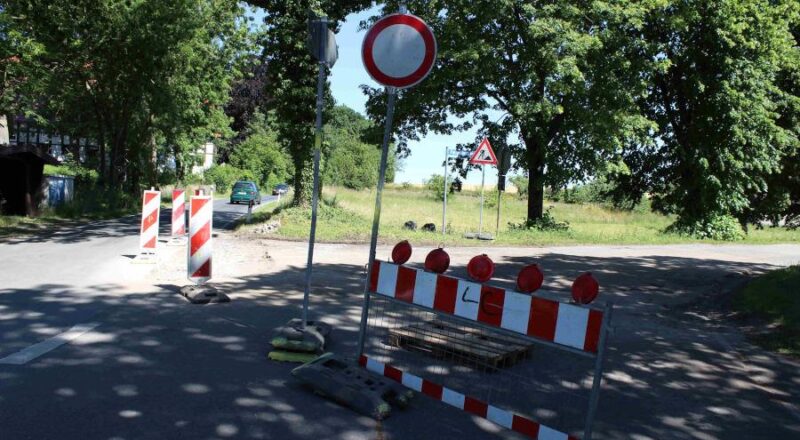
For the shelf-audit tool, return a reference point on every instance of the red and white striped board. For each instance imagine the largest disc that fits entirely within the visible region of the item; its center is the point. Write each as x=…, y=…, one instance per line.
x=148, y=232
x=178, y=213
x=504, y=418
x=200, y=227
x=553, y=321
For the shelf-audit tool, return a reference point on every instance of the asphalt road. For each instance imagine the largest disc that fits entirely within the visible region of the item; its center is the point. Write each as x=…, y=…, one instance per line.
x=54, y=280
x=226, y=214
x=95, y=347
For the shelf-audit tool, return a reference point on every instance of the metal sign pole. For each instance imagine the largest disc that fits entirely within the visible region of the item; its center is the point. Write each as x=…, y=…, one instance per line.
x=444, y=206
x=483, y=179
x=598, y=372
x=376, y=219
x=499, y=202
x=315, y=195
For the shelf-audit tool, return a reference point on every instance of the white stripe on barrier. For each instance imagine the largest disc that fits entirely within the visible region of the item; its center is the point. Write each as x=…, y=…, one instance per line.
x=516, y=312
x=424, y=288
x=546, y=433
x=571, y=325
x=387, y=279
x=178, y=213
x=453, y=398
x=375, y=366
x=500, y=416
x=413, y=382
x=468, y=299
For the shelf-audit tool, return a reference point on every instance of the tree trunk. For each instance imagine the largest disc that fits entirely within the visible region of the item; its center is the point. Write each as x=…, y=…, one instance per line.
x=303, y=181
x=535, y=155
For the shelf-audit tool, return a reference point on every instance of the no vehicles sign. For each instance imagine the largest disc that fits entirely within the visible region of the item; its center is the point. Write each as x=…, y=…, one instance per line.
x=399, y=50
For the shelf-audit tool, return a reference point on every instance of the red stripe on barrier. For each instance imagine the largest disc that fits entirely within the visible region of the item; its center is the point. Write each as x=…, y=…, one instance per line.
x=392, y=373
x=200, y=238
x=148, y=196
x=204, y=270
x=543, y=317
x=445, y=296
x=525, y=426
x=406, y=279
x=197, y=205
x=475, y=406
x=431, y=389
x=178, y=213
x=593, y=327
x=373, y=278
x=149, y=221
x=491, y=309
x=151, y=244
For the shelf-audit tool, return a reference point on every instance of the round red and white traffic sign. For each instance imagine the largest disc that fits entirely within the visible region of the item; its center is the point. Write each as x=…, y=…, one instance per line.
x=399, y=50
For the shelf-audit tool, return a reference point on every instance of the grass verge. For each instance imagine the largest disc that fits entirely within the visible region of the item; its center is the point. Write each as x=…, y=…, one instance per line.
x=346, y=216
x=775, y=298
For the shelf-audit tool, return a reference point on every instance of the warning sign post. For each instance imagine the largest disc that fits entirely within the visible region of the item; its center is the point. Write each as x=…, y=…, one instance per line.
x=483, y=155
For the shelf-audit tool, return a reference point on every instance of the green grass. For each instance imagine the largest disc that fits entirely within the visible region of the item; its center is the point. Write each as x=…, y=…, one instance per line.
x=775, y=297
x=347, y=217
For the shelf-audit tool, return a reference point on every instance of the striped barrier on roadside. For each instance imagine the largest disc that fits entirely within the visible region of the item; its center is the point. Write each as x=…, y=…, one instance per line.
x=148, y=232
x=504, y=418
x=178, y=213
x=200, y=246
x=561, y=323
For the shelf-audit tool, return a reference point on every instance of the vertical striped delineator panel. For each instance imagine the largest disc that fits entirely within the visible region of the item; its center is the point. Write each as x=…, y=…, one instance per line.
x=502, y=417
x=148, y=232
x=200, y=226
x=178, y=213
x=553, y=321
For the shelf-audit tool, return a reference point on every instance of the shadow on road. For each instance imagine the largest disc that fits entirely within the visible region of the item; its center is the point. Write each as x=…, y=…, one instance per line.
x=159, y=368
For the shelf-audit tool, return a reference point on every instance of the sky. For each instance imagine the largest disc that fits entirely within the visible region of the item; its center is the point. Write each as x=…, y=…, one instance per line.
x=427, y=154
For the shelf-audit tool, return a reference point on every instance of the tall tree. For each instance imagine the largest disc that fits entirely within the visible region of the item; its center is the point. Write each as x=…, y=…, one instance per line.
x=715, y=96
x=555, y=68
x=132, y=72
x=292, y=75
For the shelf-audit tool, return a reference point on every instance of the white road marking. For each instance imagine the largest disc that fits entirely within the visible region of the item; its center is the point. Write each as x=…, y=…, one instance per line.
x=34, y=351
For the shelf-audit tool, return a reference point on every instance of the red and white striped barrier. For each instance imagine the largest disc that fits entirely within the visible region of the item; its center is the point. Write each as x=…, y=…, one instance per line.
x=561, y=323
x=200, y=227
x=504, y=418
x=148, y=232
x=178, y=213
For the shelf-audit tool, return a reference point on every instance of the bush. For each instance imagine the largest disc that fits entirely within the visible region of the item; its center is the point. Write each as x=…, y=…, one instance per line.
x=435, y=186
x=224, y=176
x=99, y=203
x=546, y=223
x=718, y=227
x=521, y=183
x=84, y=177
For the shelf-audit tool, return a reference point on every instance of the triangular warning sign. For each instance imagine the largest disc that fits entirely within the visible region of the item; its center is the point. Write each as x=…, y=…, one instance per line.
x=484, y=155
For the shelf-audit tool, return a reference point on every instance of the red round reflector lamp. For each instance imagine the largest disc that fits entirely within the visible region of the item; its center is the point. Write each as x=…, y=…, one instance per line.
x=437, y=261
x=530, y=278
x=401, y=252
x=480, y=268
x=585, y=288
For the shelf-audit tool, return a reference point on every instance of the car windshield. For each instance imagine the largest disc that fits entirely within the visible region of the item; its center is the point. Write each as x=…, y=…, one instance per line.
x=243, y=186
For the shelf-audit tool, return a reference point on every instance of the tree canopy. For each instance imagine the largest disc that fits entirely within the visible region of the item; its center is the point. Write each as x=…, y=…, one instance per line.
x=554, y=68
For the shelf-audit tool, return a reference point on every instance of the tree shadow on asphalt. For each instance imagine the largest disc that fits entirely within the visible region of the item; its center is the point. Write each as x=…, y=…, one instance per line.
x=677, y=366
x=77, y=231
x=158, y=367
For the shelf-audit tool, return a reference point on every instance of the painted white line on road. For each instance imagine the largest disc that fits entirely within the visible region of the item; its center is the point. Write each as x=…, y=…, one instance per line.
x=34, y=351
